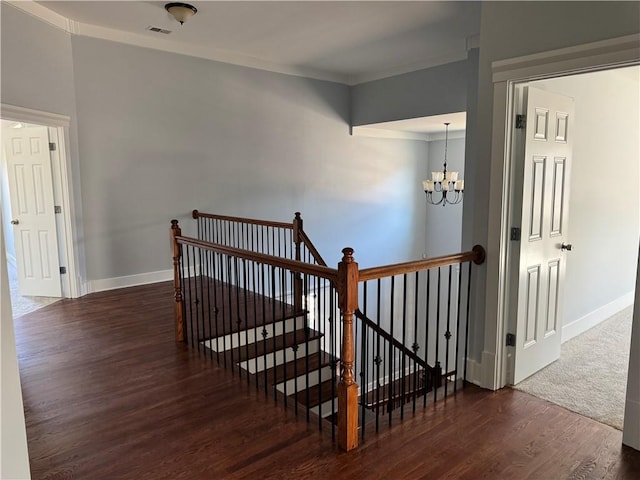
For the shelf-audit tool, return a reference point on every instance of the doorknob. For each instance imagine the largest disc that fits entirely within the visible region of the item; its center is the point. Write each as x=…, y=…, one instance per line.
x=566, y=246
x=15, y=222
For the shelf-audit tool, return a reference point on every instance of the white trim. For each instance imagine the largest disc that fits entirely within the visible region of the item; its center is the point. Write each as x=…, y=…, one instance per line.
x=474, y=370
x=564, y=60
x=384, y=133
x=43, y=13
x=102, y=285
x=60, y=124
x=28, y=115
x=366, y=131
x=631, y=431
x=592, y=319
x=11, y=260
x=582, y=58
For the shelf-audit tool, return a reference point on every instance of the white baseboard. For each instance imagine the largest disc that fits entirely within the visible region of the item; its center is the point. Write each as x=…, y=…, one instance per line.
x=592, y=319
x=631, y=432
x=473, y=371
x=102, y=285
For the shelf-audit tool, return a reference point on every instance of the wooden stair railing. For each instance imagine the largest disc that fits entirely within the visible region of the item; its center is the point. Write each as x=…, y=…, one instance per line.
x=266, y=263
x=419, y=333
x=206, y=310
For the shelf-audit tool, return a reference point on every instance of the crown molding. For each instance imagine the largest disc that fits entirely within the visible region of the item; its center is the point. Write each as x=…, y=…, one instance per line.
x=73, y=27
x=374, y=132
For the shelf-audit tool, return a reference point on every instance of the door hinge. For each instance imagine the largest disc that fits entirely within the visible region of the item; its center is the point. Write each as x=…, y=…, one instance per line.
x=63, y=270
x=521, y=121
x=52, y=147
x=511, y=340
x=515, y=234
x=57, y=209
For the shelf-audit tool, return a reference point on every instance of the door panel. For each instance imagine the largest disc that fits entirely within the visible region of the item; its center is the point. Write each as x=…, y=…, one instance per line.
x=545, y=195
x=32, y=208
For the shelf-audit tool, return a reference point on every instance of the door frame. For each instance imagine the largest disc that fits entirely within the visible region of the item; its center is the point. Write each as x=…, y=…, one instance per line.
x=507, y=76
x=62, y=180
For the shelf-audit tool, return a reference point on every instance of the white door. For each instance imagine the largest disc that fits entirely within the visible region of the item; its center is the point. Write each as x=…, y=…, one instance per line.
x=32, y=207
x=545, y=200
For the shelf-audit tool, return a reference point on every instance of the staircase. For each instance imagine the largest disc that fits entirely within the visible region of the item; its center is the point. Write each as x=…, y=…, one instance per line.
x=267, y=342
x=257, y=297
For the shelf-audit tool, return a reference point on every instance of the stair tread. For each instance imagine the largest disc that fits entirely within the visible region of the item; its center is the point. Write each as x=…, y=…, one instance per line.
x=317, y=394
x=272, y=344
x=393, y=391
x=230, y=302
x=298, y=367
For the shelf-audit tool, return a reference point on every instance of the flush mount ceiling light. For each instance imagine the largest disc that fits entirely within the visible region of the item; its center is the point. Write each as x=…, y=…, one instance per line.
x=181, y=11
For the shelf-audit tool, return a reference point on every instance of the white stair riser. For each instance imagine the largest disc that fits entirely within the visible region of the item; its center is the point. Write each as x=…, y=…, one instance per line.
x=279, y=357
x=326, y=407
x=301, y=382
x=251, y=335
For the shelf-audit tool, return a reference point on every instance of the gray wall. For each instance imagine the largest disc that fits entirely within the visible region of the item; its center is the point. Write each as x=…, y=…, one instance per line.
x=161, y=134
x=512, y=29
x=444, y=224
x=432, y=91
x=604, y=205
x=37, y=73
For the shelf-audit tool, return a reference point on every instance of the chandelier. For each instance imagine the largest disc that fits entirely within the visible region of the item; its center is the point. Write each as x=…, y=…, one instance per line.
x=444, y=187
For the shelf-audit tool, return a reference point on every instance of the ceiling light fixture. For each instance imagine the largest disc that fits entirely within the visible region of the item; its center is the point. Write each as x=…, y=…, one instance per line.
x=181, y=11
x=443, y=182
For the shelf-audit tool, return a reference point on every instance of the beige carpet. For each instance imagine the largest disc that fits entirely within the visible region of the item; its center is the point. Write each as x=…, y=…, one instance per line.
x=591, y=376
x=22, y=304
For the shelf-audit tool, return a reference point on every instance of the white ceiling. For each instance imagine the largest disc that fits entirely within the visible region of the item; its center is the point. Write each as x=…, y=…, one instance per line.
x=346, y=41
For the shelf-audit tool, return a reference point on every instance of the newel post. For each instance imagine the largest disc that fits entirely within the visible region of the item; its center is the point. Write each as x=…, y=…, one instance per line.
x=297, y=277
x=179, y=318
x=347, y=388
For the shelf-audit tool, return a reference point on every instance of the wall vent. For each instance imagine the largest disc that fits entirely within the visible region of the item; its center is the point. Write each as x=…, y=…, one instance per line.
x=158, y=30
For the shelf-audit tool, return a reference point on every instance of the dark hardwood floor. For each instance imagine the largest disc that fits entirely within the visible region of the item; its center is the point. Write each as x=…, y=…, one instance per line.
x=109, y=394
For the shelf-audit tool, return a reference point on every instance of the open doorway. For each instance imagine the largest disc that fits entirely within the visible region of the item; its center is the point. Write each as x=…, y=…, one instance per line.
x=442, y=226
x=35, y=190
x=604, y=227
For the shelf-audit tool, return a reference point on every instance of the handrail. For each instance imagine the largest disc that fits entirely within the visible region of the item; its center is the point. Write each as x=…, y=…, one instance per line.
x=294, y=265
x=267, y=223
x=314, y=251
x=386, y=335
x=476, y=255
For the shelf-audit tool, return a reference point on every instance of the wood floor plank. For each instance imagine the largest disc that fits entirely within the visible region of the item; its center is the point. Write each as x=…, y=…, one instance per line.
x=109, y=394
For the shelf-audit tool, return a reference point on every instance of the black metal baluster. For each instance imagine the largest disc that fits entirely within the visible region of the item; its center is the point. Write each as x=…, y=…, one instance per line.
x=466, y=333
x=238, y=318
x=255, y=320
x=332, y=354
x=245, y=290
x=428, y=374
x=220, y=299
x=456, y=366
x=447, y=335
x=273, y=317
x=209, y=311
x=364, y=360
x=305, y=290
x=404, y=343
x=415, y=347
x=390, y=387
x=265, y=333
x=378, y=359
x=438, y=368
x=229, y=307
x=283, y=313
x=190, y=296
